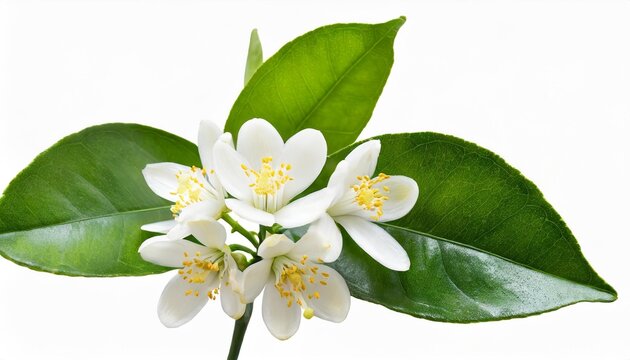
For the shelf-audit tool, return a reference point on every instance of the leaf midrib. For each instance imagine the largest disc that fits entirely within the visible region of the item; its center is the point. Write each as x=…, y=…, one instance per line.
x=495, y=255
x=129, y=212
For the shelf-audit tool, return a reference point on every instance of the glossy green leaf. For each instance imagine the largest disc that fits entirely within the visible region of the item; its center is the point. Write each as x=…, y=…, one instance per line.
x=483, y=242
x=77, y=209
x=328, y=79
x=254, y=56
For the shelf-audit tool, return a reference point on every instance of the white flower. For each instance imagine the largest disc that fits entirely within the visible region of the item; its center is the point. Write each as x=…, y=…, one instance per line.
x=361, y=199
x=293, y=279
x=205, y=271
x=264, y=174
x=197, y=193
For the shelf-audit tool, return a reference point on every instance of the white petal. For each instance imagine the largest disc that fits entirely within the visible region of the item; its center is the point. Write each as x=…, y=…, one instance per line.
x=281, y=320
x=334, y=297
x=254, y=279
x=376, y=242
x=208, y=134
x=230, y=301
x=209, y=209
x=321, y=241
x=340, y=181
x=179, y=231
x=362, y=160
x=210, y=233
x=161, y=227
x=249, y=212
x=169, y=253
x=274, y=246
x=162, y=179
x=257, y=139
x=175, y=308
x=306, y=153
x=228, y=167
x=304, y=210
x=403, y=194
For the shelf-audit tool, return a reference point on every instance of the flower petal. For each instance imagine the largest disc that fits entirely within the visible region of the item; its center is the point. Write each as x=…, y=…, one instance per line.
x=167, y=252
x=258, y=139
x=362, y=160
x=274, y=246
x=282, y=321
x=376, y=242
x=207, y=210
x=232, y=176
x=334, y=297
x=306, y=153
x=254, y=279
x=210, y=233
x=175, y=308
x=340, y=181
x=248, y=212
x=208, y=134
x=322, y=241
x=162, y=179
x=403, y=194
x=161, y=227
x=304, y=210
x=230, y=301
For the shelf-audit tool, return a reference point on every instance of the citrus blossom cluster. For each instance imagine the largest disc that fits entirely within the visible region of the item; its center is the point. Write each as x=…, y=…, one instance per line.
x=262, y=180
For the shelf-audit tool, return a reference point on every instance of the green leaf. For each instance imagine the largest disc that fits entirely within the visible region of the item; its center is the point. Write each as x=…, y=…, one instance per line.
x=77, y=209
x=483, y=242
x=254, y=56
x=328, y=79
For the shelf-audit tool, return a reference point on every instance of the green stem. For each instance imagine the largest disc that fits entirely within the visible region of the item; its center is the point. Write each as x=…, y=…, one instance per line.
x=240, y=327
x=239, y=247
x=236, y=227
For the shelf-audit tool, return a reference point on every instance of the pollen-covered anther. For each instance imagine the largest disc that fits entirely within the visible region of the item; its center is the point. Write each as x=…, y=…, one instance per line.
x=268, y=180
x=190, y=189
x=369, y=197
x=295, y=280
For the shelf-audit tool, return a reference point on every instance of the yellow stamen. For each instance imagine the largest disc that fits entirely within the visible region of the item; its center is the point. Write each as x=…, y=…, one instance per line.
x=370, y=198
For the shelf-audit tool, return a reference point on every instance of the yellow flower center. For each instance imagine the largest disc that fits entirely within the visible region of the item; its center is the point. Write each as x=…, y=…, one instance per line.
x=295, y=280
x=369, y=197
x=189, y=189
x=196, y=270
x=268, y=181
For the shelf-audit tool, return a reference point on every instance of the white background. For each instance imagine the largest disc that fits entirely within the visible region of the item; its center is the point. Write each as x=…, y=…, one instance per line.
x=545, y=84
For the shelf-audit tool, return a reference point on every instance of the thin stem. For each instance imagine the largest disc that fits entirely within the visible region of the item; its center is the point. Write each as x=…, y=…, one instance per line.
x=239, y=247
x=236, y=227
x=240, y=327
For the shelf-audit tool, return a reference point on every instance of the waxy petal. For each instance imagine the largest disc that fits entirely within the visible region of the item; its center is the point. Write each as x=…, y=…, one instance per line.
x=304, y=210
x=258, y=139
x=322, y=241
x=161, y=227
x=162, y=178
x=274, y=246
x=249, y=212
x=169, y=253
x=403, y=194
x=362, y=160
x=175, y=308
x=375, y=241
x=282, y=321
x=209, y=134
x=210, y=233
x=334, y=297
x=306, y=153
x=207, y=210
x=254, y=279
x=231, y=301
x=228, y=164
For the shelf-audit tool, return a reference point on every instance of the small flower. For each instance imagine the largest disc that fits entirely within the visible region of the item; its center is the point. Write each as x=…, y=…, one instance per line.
x=360, y=199
x=196, y=193
x=264, y=174
x=296, y=283
x=205, y=271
